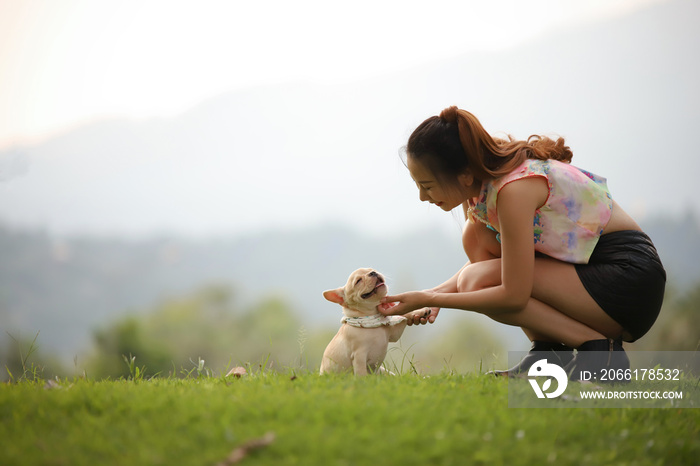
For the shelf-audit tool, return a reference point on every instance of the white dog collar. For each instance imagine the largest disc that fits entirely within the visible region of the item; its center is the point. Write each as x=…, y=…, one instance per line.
x=377, y=320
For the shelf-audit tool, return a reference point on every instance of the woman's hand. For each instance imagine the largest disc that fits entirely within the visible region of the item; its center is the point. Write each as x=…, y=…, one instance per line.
x=405, y=303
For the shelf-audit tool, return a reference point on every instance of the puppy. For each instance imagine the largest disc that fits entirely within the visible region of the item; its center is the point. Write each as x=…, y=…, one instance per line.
x=362, y=341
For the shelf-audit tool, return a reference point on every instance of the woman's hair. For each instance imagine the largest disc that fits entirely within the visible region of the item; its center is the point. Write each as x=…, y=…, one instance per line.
x=455, y=141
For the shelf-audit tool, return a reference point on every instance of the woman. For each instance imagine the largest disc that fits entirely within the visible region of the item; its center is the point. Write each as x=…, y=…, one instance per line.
x=549, y=250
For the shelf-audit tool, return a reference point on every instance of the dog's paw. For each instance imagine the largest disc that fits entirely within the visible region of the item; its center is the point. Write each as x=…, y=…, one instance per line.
x=423, y=313
x=420, y=313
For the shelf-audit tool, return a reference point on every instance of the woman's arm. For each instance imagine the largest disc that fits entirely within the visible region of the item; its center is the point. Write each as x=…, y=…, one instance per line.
x=449, y=286
x=517, y=202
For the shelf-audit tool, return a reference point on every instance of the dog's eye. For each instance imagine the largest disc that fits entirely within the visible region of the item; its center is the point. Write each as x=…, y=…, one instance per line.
x=358, y=280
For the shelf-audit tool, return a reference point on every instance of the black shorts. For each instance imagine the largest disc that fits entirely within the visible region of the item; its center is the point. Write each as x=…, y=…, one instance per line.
x=626, y=278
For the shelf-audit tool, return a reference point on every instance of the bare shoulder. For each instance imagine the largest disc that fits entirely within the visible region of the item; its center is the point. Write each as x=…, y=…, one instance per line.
x=525, y=192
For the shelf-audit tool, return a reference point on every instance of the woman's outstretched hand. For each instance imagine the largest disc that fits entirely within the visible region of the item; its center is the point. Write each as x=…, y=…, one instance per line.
x=405, y=303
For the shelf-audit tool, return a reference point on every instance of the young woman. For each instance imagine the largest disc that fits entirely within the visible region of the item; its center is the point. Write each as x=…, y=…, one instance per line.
x=549, y=250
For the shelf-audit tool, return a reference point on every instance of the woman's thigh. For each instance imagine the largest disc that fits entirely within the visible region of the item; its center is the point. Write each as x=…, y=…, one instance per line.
x=556, y=284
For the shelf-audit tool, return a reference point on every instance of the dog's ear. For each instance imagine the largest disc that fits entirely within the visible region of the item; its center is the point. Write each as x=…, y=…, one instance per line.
x=335, y=296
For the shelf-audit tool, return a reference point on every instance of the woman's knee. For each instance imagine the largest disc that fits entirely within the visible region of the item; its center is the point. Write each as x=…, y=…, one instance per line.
x=480, y=275
x=480, y=243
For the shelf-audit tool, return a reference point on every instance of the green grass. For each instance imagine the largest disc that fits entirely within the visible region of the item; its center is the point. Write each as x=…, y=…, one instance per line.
x=330, y=420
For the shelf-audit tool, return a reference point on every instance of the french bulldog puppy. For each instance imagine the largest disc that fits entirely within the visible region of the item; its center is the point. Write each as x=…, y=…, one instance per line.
x=362, y=341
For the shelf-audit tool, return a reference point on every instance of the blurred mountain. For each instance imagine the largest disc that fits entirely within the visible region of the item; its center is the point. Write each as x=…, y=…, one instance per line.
x=623, y=92
x=66, y=288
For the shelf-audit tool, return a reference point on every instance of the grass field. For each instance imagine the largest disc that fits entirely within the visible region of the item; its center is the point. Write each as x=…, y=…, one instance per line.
x=277, y=418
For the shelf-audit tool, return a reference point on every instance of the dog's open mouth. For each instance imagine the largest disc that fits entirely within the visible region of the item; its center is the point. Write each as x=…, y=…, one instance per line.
x=380, y=283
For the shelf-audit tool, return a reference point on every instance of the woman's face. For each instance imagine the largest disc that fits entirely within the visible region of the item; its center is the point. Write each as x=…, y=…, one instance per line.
x=430, y=190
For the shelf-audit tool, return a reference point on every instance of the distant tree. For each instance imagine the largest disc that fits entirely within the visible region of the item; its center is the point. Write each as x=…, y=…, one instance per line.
x=178, y=333
x=127, y=338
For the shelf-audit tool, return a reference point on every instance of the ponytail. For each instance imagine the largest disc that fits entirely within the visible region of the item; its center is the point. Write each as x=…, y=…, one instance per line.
x=456, y=140
x=544, y=148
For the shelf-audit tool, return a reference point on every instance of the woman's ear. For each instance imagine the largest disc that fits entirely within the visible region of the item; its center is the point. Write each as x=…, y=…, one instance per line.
x=466, y=179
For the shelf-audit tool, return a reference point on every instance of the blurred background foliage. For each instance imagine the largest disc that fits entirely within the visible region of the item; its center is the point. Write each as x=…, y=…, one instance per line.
x=76, y=305
x=171, y=338
x=207, y=325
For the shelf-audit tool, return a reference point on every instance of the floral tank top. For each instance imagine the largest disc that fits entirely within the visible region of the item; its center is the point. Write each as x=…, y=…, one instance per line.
x=569, y=224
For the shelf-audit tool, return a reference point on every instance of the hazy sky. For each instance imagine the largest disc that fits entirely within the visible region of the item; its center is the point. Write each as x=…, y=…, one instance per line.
x=214, y=118
x=63, y=63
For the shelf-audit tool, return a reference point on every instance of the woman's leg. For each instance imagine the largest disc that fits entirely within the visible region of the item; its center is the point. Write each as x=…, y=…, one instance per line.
x=479, y=242
x=560, y=310
x=558, y=285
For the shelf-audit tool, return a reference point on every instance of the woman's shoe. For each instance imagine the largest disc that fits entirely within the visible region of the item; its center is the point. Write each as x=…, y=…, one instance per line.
x=596, y=358
x=555, y=353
